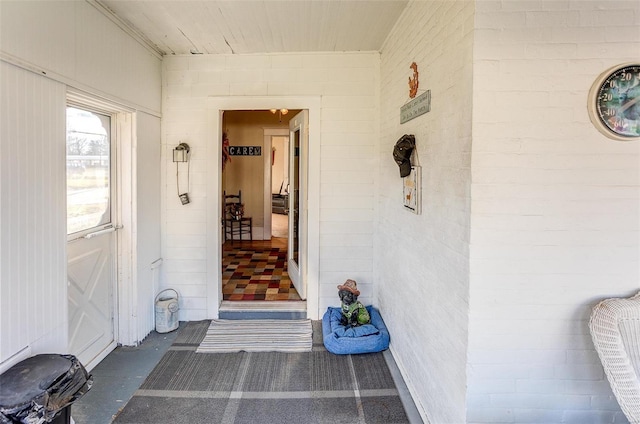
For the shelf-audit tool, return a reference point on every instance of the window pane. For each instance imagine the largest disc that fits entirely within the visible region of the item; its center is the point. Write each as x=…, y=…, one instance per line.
x=88, y=170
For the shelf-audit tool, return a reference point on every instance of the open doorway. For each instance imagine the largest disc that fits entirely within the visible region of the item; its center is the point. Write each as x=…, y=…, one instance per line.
x=279, y=185
x=255, y=207
x=310, y=203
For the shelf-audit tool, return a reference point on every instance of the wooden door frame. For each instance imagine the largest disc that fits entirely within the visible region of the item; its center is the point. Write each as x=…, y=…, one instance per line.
x=269, y=133
x=215, y=108
x=124, y=209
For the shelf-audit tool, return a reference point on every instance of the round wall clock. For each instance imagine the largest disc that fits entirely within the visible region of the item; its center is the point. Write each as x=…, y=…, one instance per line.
x=614, y=102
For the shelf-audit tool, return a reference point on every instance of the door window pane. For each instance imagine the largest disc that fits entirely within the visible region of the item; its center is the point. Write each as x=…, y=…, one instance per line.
x=88, y=170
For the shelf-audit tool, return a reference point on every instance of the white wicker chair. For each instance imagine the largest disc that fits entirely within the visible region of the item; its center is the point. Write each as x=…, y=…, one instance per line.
x=615, y=330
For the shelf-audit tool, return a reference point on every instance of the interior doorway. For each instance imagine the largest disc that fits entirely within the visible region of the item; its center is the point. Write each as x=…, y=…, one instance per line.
x=218, y=107
x=279, y=184
x=255, y=167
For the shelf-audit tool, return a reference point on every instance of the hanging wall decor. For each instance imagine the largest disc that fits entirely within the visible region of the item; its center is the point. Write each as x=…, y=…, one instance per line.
x=181, y=155
x=418, y=105
x=245, y=150
x=413, y=82
x=411, y=190
x=402, y=152
x=225, y=150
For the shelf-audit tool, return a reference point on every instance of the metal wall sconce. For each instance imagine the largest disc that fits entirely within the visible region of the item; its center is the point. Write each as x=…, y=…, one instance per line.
x=181, y=153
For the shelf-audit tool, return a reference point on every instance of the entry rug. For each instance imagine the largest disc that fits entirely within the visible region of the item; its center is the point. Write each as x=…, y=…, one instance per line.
x=268, y=335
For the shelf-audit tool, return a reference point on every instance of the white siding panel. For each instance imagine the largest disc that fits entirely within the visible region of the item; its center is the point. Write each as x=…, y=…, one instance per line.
x=74, y=42
x=40, y=32
x=32, y=213
x=148, y=217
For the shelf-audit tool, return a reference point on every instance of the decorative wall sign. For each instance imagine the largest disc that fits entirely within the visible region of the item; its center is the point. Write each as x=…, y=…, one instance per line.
x=411, y=190
x=416, y=107
x=245, y=150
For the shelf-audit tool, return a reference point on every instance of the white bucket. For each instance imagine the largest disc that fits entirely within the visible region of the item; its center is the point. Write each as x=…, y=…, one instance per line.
x=167, y=312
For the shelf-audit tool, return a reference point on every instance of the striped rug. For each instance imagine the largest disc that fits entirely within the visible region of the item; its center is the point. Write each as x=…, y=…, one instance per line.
x=226, y=336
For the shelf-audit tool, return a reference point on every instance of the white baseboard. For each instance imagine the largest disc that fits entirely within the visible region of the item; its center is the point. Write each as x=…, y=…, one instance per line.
x=410, y=386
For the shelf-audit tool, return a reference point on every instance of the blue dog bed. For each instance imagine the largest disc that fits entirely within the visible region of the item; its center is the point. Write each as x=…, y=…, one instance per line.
x=366, y=338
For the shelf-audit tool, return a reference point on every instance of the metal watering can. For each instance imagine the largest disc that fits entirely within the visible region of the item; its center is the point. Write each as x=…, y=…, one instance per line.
x=167, y=311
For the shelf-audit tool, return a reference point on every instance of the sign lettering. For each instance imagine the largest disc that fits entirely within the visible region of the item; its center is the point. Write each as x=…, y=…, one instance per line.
x=416, y=107
x=245, y=150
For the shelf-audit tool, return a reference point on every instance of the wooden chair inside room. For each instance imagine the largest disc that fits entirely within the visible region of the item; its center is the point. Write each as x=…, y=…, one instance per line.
x=235, y=223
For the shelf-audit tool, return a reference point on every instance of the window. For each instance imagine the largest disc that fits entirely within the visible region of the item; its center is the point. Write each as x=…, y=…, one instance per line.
x=88, y=170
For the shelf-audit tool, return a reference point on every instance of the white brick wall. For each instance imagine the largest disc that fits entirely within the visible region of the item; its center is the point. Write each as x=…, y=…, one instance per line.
x=555, y=211
x=422, y=269
x=348, y=84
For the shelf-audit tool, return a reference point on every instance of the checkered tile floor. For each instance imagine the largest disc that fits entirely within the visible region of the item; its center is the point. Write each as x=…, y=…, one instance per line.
x=256, y=271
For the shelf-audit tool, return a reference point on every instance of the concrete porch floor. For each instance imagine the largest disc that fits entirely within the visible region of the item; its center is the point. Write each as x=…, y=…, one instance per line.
x=117, y=377
x=122, y=372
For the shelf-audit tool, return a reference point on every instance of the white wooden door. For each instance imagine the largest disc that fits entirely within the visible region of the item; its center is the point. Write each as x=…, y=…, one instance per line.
x=298, y=160
x=90, y=275
x=91, y=272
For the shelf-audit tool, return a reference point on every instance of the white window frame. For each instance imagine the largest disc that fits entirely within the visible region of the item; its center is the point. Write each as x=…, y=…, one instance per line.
x=113, y=206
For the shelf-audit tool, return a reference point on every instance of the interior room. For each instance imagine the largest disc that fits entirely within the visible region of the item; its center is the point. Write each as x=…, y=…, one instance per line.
x=520, y=211
x=262, y=180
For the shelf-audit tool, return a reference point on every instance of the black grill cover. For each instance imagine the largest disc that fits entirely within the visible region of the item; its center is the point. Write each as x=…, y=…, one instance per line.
x=35, y=390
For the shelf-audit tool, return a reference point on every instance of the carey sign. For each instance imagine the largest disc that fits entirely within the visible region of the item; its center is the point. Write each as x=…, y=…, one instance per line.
x=245, y=150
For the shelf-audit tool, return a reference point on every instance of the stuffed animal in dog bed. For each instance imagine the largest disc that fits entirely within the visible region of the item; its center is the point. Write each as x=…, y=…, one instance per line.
x=353, y=311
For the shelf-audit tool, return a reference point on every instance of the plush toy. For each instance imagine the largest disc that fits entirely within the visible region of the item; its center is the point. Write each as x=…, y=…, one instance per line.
x=353, y=311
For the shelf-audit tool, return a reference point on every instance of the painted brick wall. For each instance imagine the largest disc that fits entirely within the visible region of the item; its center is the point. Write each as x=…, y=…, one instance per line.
x=555, y=212
x=422, y=269
x=348, y=85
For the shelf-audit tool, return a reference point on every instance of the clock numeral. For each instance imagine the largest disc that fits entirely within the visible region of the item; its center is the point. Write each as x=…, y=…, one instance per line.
x=607, y=97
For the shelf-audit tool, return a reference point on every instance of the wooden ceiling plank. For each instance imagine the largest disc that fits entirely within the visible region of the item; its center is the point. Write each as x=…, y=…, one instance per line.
x=260, y=26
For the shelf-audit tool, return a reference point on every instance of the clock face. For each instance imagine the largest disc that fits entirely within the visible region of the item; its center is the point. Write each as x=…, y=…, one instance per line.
x=616, y=102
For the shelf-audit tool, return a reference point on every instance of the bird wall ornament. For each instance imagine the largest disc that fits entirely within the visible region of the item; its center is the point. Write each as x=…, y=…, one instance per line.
x=413, y=83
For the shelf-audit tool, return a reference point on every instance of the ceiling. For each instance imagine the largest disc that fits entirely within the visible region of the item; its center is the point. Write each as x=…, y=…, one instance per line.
x=265, y=26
